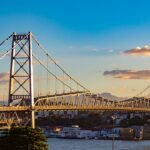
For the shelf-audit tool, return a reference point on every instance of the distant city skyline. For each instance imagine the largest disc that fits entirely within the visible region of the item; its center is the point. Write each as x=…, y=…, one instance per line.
x=103, y=44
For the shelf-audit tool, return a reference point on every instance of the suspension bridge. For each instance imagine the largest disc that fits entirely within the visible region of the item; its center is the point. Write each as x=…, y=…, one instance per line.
x=36, y=82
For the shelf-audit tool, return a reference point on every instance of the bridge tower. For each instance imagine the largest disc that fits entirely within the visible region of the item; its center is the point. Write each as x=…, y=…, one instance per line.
x=21, y=73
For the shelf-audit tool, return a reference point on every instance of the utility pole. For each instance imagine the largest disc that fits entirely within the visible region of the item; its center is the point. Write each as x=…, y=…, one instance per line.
x=113, y=137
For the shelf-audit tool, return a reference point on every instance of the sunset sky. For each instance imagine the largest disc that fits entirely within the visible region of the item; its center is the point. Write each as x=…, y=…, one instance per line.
x=104, y=44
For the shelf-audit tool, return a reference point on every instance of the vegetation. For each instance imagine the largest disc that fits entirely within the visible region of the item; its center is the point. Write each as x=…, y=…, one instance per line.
x=23, y=138
x=89, y=121
x=134, y=121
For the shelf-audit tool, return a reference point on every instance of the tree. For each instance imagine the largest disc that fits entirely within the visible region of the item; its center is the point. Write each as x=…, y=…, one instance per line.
x=23, y=138
x=124, y=123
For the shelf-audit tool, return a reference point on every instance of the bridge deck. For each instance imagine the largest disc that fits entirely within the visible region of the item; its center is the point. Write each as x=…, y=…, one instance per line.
x=73, y=108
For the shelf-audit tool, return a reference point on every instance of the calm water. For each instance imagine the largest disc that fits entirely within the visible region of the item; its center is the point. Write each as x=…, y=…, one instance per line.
x=68, y=144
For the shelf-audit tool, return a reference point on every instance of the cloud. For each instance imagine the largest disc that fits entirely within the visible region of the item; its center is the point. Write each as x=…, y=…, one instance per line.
x=94, y=50
x=128, y=74
x=64, y=78
x=144, y=51
x=110, y=50
x=4, y=82
x=4, y=77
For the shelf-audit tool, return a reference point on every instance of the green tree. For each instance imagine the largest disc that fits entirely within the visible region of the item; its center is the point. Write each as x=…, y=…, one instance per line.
x=23, y=138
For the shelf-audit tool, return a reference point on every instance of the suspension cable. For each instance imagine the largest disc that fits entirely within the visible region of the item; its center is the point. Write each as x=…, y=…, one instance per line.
x=51, y=72
x=10, y=49
x=143, y=91
x=35, y=57
x=4, y=55
x=6, y=40
x=45, y=51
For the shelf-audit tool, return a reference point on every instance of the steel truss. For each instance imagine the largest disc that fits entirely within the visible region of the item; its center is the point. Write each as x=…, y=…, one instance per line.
x=21, y=73
x=82, y=101
x=13, y=118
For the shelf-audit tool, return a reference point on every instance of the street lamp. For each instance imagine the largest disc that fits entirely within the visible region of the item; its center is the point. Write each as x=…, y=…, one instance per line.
x=113, y=136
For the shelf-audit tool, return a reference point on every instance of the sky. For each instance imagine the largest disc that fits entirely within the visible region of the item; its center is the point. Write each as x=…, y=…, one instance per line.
x=101, y=43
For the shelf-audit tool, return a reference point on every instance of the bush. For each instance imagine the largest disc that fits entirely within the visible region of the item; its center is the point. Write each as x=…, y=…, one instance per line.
x=23, y=138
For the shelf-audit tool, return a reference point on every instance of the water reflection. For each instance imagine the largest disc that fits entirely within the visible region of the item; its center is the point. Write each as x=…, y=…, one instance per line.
x=72, y=144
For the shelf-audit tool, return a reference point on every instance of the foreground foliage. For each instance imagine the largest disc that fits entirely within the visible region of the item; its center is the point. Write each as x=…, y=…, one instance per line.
x=23, y=138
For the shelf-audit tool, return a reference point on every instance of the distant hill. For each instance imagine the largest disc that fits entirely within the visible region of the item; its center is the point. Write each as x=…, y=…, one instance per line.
x=112, y=97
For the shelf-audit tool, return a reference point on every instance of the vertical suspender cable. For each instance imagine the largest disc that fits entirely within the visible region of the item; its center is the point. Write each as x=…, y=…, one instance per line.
x=38, y=76
x=55, y=80
x=47, y=75
x=70, y=84
x=63, y=83
x=58, y=65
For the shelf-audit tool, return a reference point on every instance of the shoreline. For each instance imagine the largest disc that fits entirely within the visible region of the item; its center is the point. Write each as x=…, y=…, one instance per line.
x=101, y=139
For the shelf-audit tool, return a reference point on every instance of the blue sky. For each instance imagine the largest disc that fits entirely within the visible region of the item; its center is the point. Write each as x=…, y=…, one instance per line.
x=86, y=35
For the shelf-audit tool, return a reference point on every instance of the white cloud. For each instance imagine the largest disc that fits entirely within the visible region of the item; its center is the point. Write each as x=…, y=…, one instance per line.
x=94, y=50
x=138, y=51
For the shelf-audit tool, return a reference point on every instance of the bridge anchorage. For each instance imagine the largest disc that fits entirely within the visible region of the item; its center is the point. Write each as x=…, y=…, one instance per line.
x=38, y=83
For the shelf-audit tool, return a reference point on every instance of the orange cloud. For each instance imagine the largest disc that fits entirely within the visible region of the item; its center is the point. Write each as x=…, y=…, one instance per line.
x=128, y=74
x=4, y=77
x=64, y=78
x=145, y=51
